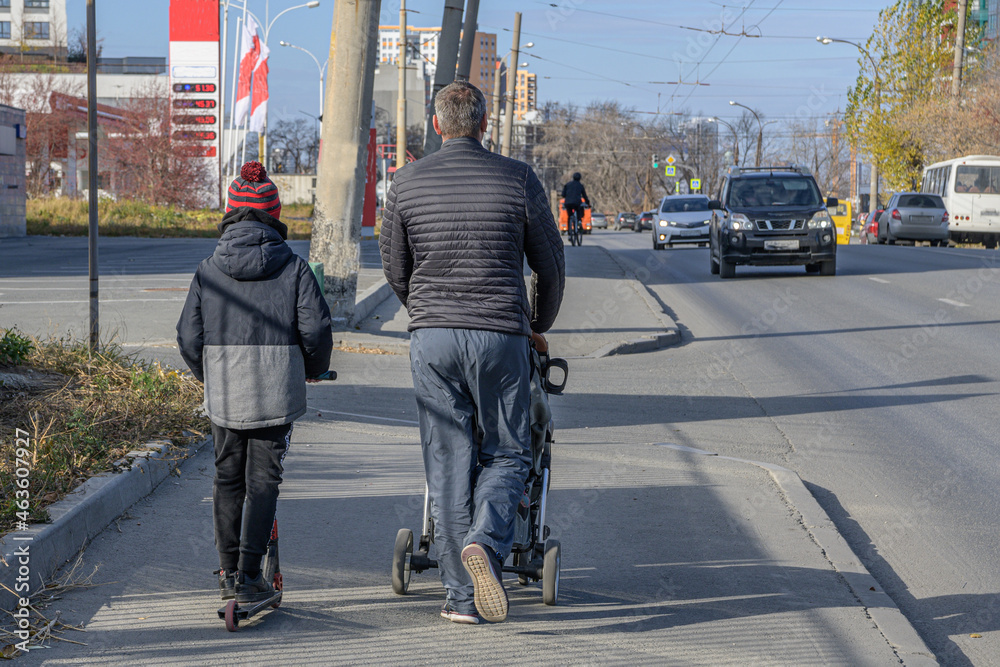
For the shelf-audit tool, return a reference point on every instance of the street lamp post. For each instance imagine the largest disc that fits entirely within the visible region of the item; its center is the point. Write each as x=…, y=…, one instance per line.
x=319, y=67
x=736, y=139
x=873, y=197
x=760, y=128
x=495, y=124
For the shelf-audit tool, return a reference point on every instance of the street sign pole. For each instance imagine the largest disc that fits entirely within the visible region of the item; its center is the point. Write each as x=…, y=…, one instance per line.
x=92, y=165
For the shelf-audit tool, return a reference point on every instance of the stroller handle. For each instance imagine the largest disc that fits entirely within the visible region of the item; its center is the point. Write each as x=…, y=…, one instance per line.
x=546, y=364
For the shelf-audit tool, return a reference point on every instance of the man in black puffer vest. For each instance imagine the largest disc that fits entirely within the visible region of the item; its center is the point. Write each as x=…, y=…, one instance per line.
x=254, y=327
x=456, y=230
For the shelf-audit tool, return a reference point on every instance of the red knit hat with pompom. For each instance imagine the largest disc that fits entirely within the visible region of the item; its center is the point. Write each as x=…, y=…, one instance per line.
x=254, y=189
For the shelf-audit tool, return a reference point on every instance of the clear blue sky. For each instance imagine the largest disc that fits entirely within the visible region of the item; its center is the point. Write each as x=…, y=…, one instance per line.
x=586, y=49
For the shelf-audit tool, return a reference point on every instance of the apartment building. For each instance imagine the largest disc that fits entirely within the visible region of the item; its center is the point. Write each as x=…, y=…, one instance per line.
x=525, y=93
x=33, y=27
x=423, y=43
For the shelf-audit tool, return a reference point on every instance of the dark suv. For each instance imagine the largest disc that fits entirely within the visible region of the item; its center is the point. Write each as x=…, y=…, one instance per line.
x=771, y=216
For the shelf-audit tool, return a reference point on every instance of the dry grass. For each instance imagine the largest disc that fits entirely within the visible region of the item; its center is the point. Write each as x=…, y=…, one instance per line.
x=83, y=414
x=43, y=629
x=62, y=216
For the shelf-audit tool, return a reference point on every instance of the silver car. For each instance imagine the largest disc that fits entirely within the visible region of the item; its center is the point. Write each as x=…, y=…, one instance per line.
x=914, y=216
x=681, y=219
x=598, y=221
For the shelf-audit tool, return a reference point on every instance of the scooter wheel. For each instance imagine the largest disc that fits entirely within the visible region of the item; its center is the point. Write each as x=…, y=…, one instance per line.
x=232, y=619
x=279, y=585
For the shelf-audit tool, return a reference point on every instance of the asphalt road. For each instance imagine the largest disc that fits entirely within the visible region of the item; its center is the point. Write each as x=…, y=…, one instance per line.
x=879, y=387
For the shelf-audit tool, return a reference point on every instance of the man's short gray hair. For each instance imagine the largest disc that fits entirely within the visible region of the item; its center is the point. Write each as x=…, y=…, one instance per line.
x=460, y=108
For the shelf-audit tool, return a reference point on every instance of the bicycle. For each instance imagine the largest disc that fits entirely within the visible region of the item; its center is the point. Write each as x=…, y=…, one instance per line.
x=573, y=230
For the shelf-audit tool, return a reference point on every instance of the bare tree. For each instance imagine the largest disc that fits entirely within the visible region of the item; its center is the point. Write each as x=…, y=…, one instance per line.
x=150, y=164
x=297, y=144
x=48, y=126
x=612, y=149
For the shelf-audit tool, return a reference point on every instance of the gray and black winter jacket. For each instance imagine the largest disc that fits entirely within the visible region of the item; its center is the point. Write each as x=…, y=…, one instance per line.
x=254, y=325
x=456, y=230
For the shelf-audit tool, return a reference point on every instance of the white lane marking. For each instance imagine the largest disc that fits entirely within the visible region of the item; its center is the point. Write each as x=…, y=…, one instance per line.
x=957, y=304
x=878, y=280
x=352, y=414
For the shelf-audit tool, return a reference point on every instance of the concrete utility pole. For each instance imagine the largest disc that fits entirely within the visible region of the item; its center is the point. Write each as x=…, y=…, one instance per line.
x=468, y=40
x=956, y=75
x=495, y=118
x=401, y=99
x=508, y=126
x=346, y=123
x=92, y=166
x=451, y=26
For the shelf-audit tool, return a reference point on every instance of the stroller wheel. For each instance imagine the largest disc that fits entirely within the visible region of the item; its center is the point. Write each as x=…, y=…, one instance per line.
x=550, y=572
x=401, y=553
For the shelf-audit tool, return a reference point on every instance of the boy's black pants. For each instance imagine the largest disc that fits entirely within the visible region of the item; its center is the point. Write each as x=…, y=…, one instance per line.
x=247, y=470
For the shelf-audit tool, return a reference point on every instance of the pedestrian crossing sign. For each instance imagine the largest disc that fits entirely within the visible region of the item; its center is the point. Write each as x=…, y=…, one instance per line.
x=670, y=171
x=696, y=184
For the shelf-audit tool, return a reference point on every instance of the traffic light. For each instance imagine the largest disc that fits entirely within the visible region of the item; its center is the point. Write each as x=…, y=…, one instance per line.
x=656, y=161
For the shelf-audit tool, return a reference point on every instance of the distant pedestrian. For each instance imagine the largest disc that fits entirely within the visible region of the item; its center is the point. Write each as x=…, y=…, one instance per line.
x=254, y=327
x=457, y=228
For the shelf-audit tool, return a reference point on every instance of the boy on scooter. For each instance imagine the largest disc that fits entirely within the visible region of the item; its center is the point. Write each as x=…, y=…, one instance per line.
x=254, y=327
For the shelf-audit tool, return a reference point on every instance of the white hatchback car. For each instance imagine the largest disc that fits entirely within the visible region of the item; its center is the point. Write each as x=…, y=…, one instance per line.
x=681, y=219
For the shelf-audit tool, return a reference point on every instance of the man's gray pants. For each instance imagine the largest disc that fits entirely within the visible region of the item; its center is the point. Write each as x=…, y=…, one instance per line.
x=472, y=391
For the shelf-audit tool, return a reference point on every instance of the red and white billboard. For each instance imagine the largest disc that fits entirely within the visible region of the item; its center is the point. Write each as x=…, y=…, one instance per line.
x=196, y=83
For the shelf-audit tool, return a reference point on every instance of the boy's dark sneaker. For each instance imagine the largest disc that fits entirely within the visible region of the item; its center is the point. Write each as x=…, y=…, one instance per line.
x=227, y=583
x=490, y=596
x=252, y=590
x=467, y=618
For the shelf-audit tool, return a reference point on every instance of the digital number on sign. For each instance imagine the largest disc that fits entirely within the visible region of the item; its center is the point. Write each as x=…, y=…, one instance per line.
x=194, y=104
x=194, y=135
x=194, y=87
x=194, y=120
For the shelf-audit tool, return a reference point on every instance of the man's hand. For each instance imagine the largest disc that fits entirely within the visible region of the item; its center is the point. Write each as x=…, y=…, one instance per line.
x=538, y=340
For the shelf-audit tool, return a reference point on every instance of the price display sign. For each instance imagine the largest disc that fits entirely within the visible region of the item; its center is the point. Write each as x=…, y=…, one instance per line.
x=194, y=104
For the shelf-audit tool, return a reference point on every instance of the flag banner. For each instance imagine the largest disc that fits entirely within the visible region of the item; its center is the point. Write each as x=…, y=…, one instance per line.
x=258, y=107
x=249, y=55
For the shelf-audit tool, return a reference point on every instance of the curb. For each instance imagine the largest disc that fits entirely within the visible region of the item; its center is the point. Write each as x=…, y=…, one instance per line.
x=373, y=297
x=81, y=515
x=890, y=621
x=369, y=300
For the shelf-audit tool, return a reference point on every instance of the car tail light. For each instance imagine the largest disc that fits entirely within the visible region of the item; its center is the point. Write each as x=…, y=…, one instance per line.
x=896, y=215
x=944, y=218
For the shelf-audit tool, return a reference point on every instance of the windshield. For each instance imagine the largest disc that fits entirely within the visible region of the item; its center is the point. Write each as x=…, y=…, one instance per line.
x=757, y=192
x=920, y=201
x=983, y=180
x=684, y=205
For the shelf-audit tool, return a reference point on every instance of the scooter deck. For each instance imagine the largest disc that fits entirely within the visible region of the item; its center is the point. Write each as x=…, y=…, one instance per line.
x=250, y=609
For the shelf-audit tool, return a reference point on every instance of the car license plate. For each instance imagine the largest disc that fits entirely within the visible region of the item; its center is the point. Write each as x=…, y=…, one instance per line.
x=792, y=244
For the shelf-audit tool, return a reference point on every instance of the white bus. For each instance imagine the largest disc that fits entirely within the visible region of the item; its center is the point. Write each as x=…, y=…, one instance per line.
x=970, y=187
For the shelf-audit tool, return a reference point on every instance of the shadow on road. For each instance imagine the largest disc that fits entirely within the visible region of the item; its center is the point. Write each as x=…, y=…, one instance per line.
x=950, y=615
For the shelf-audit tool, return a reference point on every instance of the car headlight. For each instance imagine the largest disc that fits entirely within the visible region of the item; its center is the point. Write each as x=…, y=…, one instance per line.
x=820, y=220
x=663, y=223
x=740, y=221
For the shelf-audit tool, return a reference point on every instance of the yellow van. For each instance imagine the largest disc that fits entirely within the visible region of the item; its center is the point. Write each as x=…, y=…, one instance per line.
x=842, y=221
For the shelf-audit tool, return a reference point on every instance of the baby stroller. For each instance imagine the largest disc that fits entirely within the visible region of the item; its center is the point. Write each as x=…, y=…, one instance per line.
x=534, y=556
